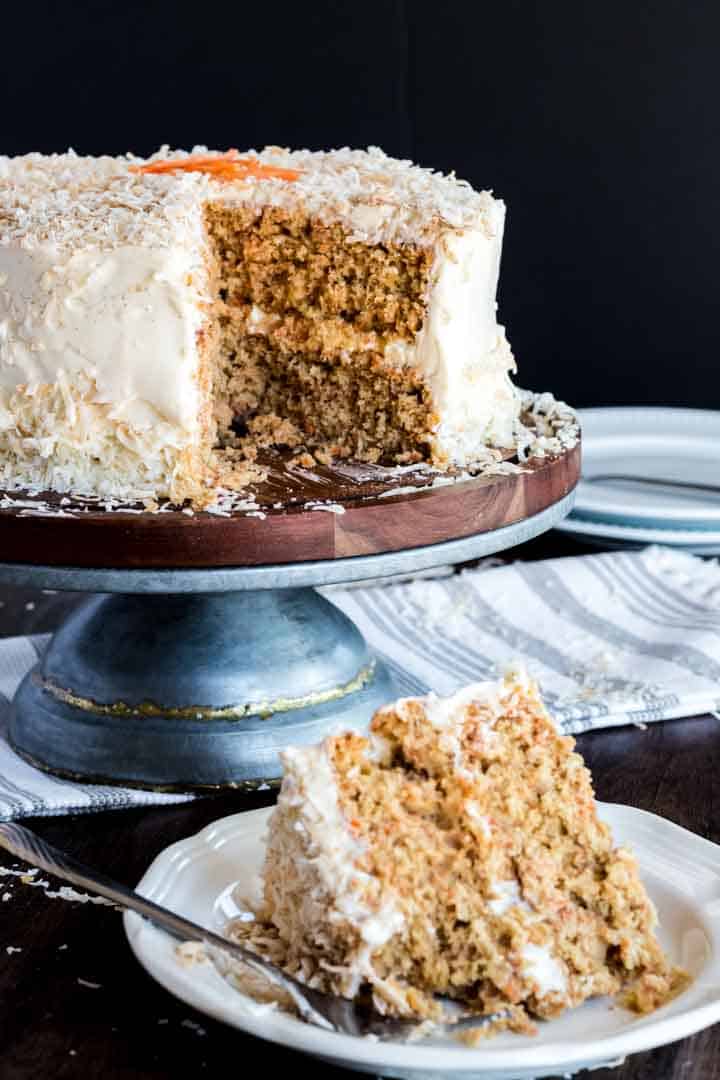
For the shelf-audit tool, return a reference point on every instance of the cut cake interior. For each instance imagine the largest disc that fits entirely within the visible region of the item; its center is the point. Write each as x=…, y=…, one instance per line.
x=456, y=851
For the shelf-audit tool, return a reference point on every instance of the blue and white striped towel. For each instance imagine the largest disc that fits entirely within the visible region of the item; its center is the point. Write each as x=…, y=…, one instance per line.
x=617, y=638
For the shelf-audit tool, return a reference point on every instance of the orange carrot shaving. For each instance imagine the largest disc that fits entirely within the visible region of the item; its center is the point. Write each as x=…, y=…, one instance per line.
x=257, y=168
x=194, y=162
x=227, y=166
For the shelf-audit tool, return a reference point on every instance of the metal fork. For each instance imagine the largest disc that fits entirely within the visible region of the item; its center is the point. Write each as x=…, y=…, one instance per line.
x=325, y=1010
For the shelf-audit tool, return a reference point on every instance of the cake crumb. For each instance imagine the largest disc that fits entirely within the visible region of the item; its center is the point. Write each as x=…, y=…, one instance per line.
x=192, y=1026
x=189, y=953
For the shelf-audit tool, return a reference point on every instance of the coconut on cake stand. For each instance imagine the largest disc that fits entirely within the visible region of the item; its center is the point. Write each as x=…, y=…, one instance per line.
x=207, y=648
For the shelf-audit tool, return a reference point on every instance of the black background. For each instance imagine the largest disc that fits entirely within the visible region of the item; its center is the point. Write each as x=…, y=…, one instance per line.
x=597, y=122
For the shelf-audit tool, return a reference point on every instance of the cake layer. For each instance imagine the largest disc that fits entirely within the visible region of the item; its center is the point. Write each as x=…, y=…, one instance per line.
x=284, y=262
x=355, y=406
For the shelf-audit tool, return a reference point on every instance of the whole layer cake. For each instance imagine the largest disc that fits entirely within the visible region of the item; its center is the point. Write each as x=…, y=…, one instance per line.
x=456, y=851
x=162, y=319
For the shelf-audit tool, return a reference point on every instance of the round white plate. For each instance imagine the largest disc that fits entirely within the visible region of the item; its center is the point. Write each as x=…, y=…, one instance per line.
x=681, y=871
x=653, y=469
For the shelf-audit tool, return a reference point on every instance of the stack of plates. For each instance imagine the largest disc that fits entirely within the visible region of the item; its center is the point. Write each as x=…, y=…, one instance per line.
x=650, y=476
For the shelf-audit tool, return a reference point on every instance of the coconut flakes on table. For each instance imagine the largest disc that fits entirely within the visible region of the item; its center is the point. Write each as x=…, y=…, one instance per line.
x=192, y=1026
x=65, y=892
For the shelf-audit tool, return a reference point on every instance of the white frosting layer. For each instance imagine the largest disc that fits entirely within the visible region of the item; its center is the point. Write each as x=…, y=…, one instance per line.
x=447, y=716
x=99, y=360
x=127, y=319
x=309, y=785
x=543, y=968
x=461, y=352
x=448, y=712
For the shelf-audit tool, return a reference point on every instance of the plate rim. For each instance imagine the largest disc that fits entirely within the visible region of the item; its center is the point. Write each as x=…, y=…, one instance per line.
x=600, y=423
x=680, y=411
x=291, y=1032
x=641, y=534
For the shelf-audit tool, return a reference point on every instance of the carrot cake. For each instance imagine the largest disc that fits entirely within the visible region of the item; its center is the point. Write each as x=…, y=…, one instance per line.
x=456, y=852
x=161, y=319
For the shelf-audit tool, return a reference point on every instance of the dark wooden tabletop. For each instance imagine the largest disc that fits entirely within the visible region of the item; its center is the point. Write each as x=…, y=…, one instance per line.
x=124, y=1025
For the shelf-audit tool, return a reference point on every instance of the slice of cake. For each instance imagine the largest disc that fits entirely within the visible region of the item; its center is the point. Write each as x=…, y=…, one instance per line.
x=163, y=319
x=456, y=851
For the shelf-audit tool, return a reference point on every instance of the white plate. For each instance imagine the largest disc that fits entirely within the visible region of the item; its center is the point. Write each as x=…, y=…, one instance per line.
x=704, y=543
x=682, y=873
x=629, y=452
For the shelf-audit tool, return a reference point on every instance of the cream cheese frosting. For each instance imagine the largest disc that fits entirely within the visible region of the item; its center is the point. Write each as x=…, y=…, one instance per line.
x=461, y=351
x=544, y=969
x=103, y=293
x=319, y=853
x=127, y=319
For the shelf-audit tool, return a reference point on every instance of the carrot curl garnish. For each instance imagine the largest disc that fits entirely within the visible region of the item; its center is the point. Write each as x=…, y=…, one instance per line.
x=227, y=166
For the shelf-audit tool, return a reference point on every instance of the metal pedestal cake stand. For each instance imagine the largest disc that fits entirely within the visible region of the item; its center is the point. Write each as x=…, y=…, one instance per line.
x=181, y=674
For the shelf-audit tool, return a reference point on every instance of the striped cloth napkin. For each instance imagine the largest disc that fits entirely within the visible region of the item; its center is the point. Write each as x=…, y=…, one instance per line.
x=616, y=638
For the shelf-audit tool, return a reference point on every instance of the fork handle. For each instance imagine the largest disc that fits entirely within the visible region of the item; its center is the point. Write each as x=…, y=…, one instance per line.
x=26, y=845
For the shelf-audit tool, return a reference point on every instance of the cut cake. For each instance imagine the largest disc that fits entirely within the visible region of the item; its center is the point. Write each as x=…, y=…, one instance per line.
x=456, y=851
x=163, y=319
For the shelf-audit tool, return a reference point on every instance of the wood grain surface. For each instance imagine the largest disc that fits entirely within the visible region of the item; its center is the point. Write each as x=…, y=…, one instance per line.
x=373, y=519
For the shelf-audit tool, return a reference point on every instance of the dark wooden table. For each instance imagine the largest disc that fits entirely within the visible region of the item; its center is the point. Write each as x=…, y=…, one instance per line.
x=51, y=1025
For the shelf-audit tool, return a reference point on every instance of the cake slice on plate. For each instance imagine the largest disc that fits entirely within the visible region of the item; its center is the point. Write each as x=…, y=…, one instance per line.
x=456, y=852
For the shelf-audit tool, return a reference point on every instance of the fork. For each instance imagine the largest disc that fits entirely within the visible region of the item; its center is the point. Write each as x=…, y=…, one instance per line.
x=325, y=1010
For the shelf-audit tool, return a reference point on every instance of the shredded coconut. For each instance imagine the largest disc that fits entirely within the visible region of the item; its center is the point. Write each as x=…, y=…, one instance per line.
x=65, y=892
x=68, y=199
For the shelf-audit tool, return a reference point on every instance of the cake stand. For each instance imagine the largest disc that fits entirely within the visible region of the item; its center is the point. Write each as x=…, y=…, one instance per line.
x=207, y=649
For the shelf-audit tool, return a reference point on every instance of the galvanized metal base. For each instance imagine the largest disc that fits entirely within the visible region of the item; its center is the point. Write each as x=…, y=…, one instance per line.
x=197, y=679
x=194, y=691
